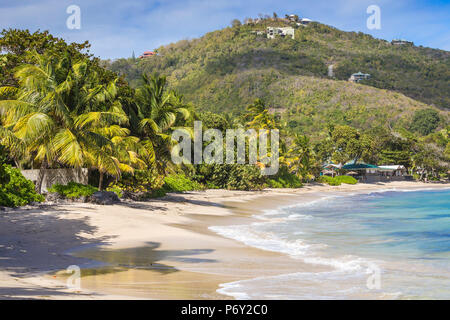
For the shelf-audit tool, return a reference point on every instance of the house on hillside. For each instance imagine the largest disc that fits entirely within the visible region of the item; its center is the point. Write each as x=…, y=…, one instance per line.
x=273, y=32
x=258, y=32
x=147, y=54
x=401, y=42
x=357, y=77
x=304, y=22
x=292, y=17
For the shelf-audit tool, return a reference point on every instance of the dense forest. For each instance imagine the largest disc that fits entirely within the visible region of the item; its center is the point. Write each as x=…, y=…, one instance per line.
x=61, y=108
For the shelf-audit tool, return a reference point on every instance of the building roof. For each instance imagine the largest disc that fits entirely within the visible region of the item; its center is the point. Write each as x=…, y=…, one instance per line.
x=360, y=74
x=332, y=166
x=392, y=167
x=352, y=165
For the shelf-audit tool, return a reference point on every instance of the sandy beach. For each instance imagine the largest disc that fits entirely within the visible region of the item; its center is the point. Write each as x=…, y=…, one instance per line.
x=160, y=249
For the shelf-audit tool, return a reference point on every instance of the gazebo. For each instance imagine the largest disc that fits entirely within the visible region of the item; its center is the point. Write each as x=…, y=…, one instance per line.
x=330, y=168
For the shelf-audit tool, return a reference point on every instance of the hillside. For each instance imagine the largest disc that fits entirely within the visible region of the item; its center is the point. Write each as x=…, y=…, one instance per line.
x=225, y=70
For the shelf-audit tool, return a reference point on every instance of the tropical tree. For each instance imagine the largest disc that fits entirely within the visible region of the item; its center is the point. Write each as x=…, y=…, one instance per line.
x=160, y=112
x=58, y=112
x=300, y=158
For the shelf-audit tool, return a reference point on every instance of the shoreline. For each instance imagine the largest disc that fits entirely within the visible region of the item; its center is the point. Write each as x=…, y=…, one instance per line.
x=160, y=249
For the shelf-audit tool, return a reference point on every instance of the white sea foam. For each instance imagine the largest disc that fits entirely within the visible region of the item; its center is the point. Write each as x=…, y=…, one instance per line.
x=297, y=285
x=262, y=240
x=297, y=249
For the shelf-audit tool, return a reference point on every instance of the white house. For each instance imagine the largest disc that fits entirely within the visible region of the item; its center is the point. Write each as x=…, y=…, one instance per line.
x=304, y=22
x=357, y=77
x=272, y=32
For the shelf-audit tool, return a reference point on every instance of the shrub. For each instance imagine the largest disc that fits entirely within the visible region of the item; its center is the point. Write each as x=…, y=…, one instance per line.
x=116, y=190
x=180, y=183
x=425, y=121
x=73, y=190
x=328, y=180
x=245, y=177
x=139, y=186
x=346, y=179
x=230, y=176
x=15, y=190
x=284, y=179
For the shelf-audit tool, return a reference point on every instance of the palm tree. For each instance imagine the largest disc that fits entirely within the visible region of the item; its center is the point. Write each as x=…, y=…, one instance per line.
x=160, y=112
x=57, y=114
x=300, y=157
x=257, y=116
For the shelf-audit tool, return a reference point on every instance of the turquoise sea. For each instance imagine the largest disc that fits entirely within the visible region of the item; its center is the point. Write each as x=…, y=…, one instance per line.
x=379, y=245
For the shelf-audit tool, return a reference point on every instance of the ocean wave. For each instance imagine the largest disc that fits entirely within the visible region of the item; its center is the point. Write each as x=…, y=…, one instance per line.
x=262, y=240
x=290, y=217
x=301, y=285
x=348, y=273
x=297, y=249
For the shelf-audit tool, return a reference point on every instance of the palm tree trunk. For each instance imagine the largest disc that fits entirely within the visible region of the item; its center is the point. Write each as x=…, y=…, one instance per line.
x=18, y=166
x=100, y=181
x=41, y=176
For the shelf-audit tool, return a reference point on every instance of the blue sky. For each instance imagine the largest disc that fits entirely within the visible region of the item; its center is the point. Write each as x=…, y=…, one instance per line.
x=116, y=28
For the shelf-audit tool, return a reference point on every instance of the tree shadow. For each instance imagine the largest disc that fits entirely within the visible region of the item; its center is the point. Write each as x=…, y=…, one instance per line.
x=152, y=204
x=32, y=242
x=179, y=197
x=142, y=205
x=32, y=293
x=146, y=257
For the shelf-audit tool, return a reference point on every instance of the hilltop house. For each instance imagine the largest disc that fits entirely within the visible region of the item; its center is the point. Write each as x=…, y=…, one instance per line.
x=357, y=77
x=304, y=22
x=272, y=32
x=147, y=54
x=401, y=42
x=258, y=32
x=292, y=17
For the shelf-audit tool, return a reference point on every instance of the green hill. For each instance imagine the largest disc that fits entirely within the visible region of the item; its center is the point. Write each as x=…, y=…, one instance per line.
x=226, y=70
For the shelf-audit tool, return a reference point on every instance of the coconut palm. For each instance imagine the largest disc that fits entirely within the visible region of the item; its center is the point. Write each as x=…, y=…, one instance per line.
x=57, y=112
x=160, y=112
x=299, y=158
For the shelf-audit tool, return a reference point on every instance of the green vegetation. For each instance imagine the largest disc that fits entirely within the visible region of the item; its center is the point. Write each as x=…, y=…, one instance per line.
x=338, y=180
x=60, y=108
x=425, y=121
x=346, y=179
x=141, y=185
x=73, y=190
x=225, y=70
x=230, y=176
x=180, y=183
x=15, y=190
x=116, y=190
x=284, y=179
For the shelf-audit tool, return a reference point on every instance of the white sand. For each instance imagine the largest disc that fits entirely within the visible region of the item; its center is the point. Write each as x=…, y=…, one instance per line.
x=177, y=229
